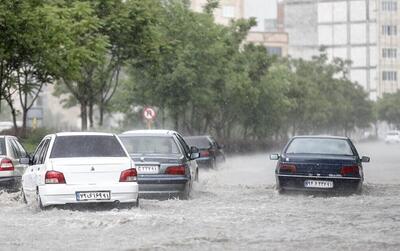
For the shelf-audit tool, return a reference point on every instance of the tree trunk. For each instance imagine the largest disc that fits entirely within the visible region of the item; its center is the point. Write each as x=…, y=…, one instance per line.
x=101, y=111
x=91, y=115
x=83, y=115
x=24, y=121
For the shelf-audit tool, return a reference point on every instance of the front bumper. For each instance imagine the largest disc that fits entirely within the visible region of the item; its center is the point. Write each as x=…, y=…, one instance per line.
x=60, y=194
x=159, y=185
x=340, y=184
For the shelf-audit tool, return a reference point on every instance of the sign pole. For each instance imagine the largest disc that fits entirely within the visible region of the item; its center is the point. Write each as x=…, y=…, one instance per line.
x=149, y=114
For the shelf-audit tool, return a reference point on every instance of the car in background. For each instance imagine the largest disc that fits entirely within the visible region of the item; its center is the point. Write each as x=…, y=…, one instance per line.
x=13, y=161
x=211, y=153
x=165, y=164
x=80, y=167
x=392, y=137
x=319, y=163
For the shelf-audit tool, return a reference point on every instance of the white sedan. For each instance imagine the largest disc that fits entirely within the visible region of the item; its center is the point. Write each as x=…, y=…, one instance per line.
x=80, y=167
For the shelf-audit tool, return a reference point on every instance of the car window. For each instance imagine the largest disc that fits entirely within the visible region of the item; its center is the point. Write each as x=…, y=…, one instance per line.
x=43, y=153
x=21, y=149
x=15, y=149
x=38, y=151
x=150, y=144
x=3, y=150
x=183, y=143
x=319, y=146
x=199, y=142
x=87, y=146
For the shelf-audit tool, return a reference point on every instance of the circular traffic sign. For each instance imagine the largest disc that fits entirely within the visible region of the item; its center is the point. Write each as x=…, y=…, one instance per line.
x=149, y=113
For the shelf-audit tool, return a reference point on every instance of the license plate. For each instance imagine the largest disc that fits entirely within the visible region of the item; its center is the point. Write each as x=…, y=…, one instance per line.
x=96, y=195
x=318, y=183
x=147, y=169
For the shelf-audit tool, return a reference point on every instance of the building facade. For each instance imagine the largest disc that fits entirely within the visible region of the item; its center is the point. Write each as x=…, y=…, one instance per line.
x=346, y=29
x=268, y=14
x=388, y=17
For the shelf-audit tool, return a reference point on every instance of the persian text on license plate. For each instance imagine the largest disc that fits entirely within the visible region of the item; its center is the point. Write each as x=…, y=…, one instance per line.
x=147, y=169
x=318, y=183
x=96, y=195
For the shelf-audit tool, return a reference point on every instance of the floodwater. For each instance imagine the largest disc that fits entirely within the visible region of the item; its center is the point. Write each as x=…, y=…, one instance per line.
x=233, y=208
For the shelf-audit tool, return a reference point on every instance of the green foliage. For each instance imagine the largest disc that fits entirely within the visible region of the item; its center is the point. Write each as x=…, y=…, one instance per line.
x=200, y=76
x=388, y=108
x=33, y=138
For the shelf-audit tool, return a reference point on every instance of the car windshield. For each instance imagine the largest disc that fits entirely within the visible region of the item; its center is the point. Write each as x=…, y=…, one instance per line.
x=199, y=142
x=319, y=146
x=87, y=146
x=150, y=145
x=392, y=133
x=3, y=147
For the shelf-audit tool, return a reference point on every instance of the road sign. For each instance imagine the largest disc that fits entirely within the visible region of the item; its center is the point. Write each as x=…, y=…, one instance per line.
x=149, y=113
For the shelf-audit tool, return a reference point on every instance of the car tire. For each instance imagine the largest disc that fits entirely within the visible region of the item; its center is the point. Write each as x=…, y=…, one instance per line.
x=23, y=197
x=137, y=203
x=213, y=164
x=197, y=175
x=39, y=202
x=185, y=195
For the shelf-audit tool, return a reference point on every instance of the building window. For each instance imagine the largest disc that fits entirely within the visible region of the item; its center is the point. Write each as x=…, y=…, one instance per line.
x=274, y=51
x=389, y=6
x=389, y=30
x=389, y=53
x=389, y=75
x=228, y=11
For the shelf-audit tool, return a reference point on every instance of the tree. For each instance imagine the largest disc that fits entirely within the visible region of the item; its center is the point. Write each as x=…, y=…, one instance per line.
x=28, y=48
x=388, y=108
x=83, y=50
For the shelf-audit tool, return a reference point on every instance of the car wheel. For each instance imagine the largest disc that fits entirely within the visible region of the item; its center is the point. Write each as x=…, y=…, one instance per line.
x=280, y=190
x=23, y=197
x=137, y=203
x=185, y=195
x=197, y=175
x=39, y=201
x=213, y=164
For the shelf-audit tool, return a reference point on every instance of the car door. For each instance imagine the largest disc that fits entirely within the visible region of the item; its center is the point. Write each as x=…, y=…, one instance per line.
x=186, y=149
x=39, y=167
x=19, y=153
x=28, y=179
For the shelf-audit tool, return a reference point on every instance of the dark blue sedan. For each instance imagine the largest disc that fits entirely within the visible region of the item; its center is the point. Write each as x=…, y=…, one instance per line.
x=319, y=163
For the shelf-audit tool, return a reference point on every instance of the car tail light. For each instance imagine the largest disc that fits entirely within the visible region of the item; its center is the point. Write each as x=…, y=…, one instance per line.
x=6, y=165
x=350, y=171
x=129, y=175
x=204, y=153
x=176, y=170
x=287, y=168
x=54, y=177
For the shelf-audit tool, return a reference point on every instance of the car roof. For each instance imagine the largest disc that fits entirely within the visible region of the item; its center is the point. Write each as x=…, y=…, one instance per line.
x=84, y=134
x=155, y=132
x=8, y=136
x=197, y=137
x=320, y=137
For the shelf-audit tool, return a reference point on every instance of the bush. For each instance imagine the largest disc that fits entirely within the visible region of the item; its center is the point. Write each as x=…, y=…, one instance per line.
x=32, y=137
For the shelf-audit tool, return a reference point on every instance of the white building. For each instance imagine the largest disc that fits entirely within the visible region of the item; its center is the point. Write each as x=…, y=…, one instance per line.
x=346, y=28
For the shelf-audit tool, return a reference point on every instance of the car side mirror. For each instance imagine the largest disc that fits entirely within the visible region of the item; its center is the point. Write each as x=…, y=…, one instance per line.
x=194, y=152
x=274, y=156
x=25, y=161
x=365, y=159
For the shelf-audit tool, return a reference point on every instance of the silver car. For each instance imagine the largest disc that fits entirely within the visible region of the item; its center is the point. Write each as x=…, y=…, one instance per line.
x=165, y=164
x=13, y=162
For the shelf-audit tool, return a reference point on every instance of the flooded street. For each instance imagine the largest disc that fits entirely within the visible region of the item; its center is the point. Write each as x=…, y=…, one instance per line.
x=235, y=207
